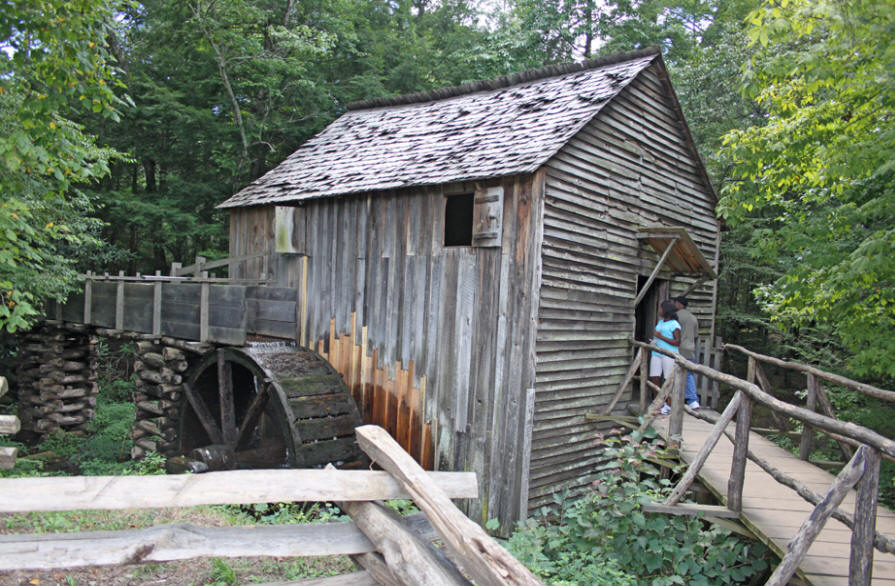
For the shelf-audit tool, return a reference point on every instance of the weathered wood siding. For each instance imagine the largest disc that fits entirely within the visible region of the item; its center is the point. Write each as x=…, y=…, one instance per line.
x=460, y=319
x=630, y=167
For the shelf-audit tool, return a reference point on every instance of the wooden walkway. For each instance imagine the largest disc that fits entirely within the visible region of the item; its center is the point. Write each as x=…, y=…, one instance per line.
x=775, y=512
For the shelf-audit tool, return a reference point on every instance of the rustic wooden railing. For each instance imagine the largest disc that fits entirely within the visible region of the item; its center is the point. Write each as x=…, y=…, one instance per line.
x=9, y=425
x=392, y=549
x=816, y=396
x=861, y=472
x=198, y=307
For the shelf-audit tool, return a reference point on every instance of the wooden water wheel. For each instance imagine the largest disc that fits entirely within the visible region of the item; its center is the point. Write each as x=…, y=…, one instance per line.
x=266, y=406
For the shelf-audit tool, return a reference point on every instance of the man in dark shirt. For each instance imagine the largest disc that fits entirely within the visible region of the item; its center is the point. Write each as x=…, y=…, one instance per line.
x=689, y=332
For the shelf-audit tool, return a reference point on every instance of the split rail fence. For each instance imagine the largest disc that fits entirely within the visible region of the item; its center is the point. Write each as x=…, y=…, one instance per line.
x=390, y=548
x=863, y=446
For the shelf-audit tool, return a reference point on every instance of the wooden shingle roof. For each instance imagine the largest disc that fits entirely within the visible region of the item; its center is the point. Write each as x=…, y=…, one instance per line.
x=500, y=127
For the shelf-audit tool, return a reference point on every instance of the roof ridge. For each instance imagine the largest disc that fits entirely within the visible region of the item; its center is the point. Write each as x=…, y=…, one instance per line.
x=502, y=81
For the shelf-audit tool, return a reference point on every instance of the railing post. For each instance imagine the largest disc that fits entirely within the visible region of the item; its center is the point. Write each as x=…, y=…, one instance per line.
x=716, y=364
x=119, y=302
x=88, y=298
x=740, y=453
x=676, y=420
x=644, y=379
x=157, y=306
x=203, y=308
x=860, y=569
x=806, y=445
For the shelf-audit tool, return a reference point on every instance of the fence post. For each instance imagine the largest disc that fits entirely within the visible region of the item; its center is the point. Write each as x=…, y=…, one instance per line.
x=119, y=302
x=676, y=419
x=740, y=452
x=716, y=364
x=860, y=568
x=157, y=306
x=203, y=308
x=644, y=379
x=88, y=298
x=806, y=445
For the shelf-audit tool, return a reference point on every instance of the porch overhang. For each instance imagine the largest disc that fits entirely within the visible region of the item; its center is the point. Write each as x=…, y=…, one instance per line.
x=678, y=252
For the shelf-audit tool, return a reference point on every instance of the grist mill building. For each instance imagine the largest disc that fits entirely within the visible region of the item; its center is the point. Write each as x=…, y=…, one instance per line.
x=474, y=261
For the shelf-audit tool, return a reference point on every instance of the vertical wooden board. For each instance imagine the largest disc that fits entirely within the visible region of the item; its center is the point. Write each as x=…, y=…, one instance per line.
x=360, y=262
x=466, y=303
x=481, y=389
x=412, y=308
x=446, y=364
x=316, y=262
x=103, y=304
x=395, y=305
x=520, y=362
x=431, y=343
x=138, y=307
x=506, y=322
x=73, y=310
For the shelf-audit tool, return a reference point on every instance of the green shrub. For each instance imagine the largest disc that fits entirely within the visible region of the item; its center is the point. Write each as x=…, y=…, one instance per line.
x=604, y=537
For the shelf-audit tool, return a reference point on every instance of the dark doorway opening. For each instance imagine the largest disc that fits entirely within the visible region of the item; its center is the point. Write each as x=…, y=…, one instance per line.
x=646, y=315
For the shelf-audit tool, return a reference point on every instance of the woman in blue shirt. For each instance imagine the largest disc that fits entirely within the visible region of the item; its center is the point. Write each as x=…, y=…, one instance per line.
x=668, y=337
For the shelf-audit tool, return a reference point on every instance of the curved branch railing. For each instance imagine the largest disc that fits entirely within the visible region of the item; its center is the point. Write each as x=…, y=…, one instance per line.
x=861, y=472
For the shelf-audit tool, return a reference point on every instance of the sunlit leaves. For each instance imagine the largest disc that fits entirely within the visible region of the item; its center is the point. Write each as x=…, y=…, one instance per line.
x=820, y=168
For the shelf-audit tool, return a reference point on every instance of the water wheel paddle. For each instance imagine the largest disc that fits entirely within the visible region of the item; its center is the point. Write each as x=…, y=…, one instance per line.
x=266, y=406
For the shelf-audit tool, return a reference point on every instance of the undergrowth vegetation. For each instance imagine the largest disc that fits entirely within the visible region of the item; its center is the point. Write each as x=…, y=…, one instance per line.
x=604, y=538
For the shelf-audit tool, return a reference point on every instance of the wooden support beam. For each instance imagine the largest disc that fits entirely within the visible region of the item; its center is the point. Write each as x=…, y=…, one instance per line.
x=653, y=410
x=229, y=432
x=157, y=306
x=860, y=568
x=88, y=298
x=203, y=310
x=676, y=417
x=696, y=465
x=740, y=451
x=626, y=382
x=203, y=413
x=656, y=270
x=483, y=559
x=806, y=445
x=644, y=380
x=410, y=559
x=691, y=510
x=119, y=303
x=798, y=545
x=827, y=409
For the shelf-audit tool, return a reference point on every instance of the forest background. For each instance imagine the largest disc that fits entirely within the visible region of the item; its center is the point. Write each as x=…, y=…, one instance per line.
x=122, y=125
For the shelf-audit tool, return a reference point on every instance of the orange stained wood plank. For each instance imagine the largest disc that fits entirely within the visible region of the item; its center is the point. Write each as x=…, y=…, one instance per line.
x=775, y=512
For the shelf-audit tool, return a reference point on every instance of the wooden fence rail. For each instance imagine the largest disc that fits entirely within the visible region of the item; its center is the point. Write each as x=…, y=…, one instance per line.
x=861, y=472
x=391, y=548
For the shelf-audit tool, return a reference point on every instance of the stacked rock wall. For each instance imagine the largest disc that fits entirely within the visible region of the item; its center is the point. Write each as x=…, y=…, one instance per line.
x=57, y=379
x=160, y=367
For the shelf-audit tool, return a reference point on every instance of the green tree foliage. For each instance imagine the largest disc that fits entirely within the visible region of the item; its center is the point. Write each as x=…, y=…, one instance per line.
x=816, y=179
x=54, y=64
x=226, y=89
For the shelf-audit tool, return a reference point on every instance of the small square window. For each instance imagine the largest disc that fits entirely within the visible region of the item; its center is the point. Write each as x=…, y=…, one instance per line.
x=458, y=220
